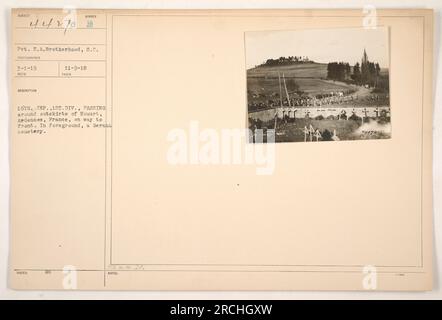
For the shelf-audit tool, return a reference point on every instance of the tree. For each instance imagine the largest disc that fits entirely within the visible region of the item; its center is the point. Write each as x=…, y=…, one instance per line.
x=347, y=71
x=286, y=61
x=368, y=73
x=338, y=71
x=357, y=73
x=378, y=69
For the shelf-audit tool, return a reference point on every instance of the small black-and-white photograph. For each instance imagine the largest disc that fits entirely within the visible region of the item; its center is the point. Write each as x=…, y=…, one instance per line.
x=319, y=85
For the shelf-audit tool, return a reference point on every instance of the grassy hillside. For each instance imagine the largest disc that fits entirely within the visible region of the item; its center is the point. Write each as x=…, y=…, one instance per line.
x=303, y=70
x=310, y=77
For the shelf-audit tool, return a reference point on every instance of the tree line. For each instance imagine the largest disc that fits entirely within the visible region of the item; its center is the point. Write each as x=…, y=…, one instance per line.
x=340, y=71
x=364, y=73
x=287, y=60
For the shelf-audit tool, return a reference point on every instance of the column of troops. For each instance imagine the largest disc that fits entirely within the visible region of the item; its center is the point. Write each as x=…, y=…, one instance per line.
x=334, y=98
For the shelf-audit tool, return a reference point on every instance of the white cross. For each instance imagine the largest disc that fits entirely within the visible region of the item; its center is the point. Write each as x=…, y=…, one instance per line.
x=306, y=132
x=317, y=135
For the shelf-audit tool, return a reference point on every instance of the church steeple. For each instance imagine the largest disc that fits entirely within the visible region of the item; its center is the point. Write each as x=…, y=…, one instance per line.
x=364, y=57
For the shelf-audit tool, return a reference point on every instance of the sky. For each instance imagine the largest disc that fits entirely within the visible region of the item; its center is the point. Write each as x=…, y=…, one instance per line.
x=320, y=45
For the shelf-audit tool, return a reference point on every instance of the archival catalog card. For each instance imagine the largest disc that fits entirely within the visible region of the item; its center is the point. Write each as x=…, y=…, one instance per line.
x=221, y=149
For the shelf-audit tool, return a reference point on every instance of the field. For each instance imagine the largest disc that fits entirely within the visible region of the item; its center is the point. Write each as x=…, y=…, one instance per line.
x=266, y=86
x=305, y=70
x=345, y=129
x=294, y=132
x=309, y=81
